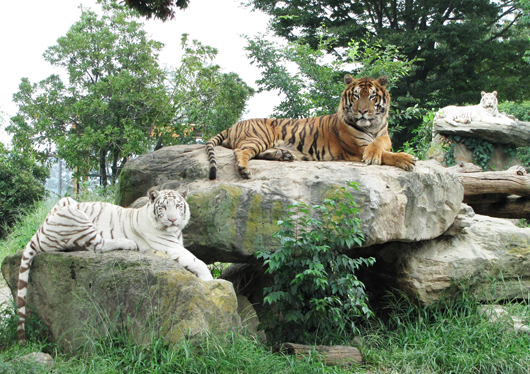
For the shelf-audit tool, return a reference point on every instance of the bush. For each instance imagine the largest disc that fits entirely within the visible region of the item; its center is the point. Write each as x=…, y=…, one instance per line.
x=315, y=290
x=21, y=184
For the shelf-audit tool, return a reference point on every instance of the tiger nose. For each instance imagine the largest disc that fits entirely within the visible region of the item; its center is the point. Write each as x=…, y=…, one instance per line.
x=172, y=220
x=363, y=111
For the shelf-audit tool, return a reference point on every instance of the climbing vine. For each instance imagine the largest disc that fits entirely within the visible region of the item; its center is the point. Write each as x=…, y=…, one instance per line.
x=482, y=150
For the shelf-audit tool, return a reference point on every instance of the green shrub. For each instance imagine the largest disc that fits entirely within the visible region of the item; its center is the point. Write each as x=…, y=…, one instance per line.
x=21, y=185
x=315, y=290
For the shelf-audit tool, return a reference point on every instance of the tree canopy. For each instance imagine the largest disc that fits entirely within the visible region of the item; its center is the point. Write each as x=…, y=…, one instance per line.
x=161, y=9
x=459, y=47
x=117, y=102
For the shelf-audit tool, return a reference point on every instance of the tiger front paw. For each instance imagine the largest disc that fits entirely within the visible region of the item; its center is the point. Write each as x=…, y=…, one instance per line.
x=127, y=245
x=405, y=161
x=373, y=156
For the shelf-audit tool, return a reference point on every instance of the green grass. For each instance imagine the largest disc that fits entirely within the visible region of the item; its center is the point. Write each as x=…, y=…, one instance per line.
x=445, y=338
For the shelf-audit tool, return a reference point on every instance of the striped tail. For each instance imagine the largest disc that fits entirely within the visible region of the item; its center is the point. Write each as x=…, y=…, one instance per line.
x=210, y=144
x=22, y=288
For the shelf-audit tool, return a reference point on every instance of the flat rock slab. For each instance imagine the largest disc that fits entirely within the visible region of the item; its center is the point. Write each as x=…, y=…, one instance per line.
x=516, y=133
x=231, y=218
x=84, y=296
x=491, y=259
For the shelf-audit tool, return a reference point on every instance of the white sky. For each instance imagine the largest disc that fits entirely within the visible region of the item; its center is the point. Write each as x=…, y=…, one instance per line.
x=28, y=27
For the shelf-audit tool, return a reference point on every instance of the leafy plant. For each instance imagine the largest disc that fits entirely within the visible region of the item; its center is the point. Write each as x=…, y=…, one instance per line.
x=21, y=185
x=482, y=151
x=315, y=290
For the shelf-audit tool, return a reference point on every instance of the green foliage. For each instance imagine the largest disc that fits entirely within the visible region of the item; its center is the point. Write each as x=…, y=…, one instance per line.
x=482, y=151
x=315, y=289
x=21, y=185
x=521, y=111
x=161, y=9
x=459, y=47
x=311, y=89
x=421, y=143
x=445, y=338
x=114, y=95
x=314, y=86
x=203, y=98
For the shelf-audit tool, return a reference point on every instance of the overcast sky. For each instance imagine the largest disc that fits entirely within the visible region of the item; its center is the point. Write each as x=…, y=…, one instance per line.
x=29, y=27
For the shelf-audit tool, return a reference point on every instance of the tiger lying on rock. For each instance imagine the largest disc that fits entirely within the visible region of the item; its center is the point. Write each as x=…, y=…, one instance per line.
x=486, y=111
x=357, y=132
x=103, y=227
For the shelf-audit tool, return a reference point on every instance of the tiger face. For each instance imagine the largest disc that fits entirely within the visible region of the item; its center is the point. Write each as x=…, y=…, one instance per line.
x=365, y=103
x=170, y=211
x=489, y=100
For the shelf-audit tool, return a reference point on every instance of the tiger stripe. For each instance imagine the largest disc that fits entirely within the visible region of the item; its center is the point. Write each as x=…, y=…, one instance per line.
x=357, y=132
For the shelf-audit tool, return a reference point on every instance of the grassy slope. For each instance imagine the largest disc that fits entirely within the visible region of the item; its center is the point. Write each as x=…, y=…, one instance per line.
x=411, y=339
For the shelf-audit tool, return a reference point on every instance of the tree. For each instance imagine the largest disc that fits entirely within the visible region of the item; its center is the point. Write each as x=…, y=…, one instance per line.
x=459, y=47
x=204, y=99
x=21, y=184
x=161, y=9
x=114, y=96
x=312, y=84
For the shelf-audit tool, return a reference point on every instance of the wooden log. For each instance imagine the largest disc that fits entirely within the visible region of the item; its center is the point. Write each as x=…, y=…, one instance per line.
x=339, y=355
x=494, y=182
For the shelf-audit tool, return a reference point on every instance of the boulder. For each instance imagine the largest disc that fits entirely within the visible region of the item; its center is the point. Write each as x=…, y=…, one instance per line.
x=491, y=258
x=516, y=133
x=84, y=296
x=231, y=217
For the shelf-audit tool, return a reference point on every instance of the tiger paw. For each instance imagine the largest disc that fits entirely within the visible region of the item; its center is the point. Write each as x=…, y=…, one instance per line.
x=244, y=171
x=126, y=244
x=284, y=155
x=405, y=161
x=373, y=156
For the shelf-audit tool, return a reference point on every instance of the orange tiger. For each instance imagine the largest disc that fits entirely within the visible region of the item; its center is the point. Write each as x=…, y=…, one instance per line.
x=357, y=132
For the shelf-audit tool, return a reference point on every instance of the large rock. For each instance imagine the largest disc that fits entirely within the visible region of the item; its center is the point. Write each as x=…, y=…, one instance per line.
x=490, y=258
x=516, y=133
x=231, y=217
x=83, y=296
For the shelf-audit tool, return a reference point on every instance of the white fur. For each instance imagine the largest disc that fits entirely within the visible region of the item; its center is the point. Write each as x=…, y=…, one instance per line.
x=486, y=112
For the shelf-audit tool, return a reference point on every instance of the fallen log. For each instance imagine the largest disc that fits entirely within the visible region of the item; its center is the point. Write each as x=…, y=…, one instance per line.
x=340, y=355
x=509, y=182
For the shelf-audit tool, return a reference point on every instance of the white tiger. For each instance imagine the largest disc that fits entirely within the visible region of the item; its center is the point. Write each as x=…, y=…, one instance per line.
x=102, y=227
x=486, y=112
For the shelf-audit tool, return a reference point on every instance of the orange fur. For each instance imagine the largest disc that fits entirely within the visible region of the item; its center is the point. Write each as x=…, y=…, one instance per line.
x=357, y=132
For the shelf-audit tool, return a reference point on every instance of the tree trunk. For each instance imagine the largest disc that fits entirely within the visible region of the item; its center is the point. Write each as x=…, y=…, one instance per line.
x=103, y=167
x=114, y=168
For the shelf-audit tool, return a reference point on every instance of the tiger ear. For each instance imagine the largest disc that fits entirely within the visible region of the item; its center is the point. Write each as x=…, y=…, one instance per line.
x=383, y=80
x=494, y=93
x=152, y=193
x=482, y=93
x=348, y=79
x=184, y=193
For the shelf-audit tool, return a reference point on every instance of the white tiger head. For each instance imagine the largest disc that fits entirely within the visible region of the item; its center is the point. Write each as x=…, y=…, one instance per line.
x=170, y=211
x=489, y=101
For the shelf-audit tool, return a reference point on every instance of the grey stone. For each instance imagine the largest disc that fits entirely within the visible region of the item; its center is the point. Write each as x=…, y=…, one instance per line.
x=516, y=133
x=85, y=296
x=231, y=218
x=491, y=258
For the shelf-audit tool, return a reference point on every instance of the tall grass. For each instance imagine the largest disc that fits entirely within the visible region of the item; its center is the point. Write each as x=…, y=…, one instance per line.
x=444, y=338
x=447, y=338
